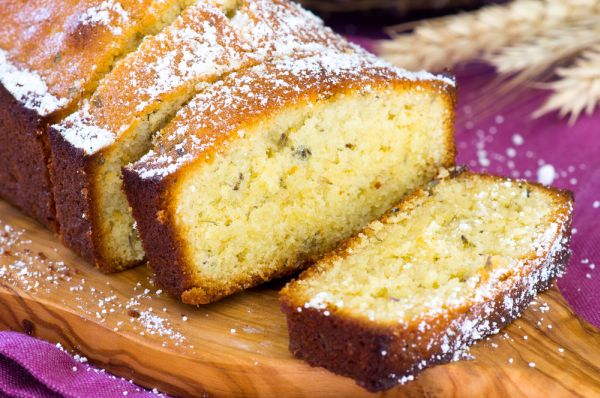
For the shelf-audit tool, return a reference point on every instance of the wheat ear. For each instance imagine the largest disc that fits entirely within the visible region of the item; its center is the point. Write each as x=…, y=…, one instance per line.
x=578, y=89
x=443, y=42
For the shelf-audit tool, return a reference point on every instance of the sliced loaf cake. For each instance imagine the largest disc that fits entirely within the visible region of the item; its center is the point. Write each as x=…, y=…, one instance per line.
x=141, y=94
x=52, y=55
x=453, y=263
x=273, y=166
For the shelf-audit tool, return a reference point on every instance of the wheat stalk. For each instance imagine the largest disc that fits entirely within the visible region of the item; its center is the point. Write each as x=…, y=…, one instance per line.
x=524, y=40
x=577, y=90
x=443, y=42
x=535, y=58
x=547, y=48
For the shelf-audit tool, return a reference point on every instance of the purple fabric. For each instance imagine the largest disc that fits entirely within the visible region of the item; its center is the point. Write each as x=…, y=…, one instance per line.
x=494, y=132
x=33, y=368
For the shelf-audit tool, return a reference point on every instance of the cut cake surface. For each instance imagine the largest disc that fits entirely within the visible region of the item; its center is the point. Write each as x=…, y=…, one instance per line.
x=453, y=263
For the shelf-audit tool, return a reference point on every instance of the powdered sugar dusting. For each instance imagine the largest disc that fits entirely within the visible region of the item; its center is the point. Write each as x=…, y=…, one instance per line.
x=80, y=131
x=18, y=268
x=521, y=287
x=546, y=174
x=277, y=29
x=38, y=273
x=109, y=13
x=197, y=48
x=319, y=301
x=28, y=87
x=216, y=115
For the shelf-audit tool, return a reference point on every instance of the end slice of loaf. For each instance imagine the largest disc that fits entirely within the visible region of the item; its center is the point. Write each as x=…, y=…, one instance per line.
x=452, y=264
x=52, y=55
x=271, y=167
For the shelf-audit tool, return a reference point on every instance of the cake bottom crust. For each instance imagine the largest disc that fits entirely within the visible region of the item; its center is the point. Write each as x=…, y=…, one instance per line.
x=380, y=358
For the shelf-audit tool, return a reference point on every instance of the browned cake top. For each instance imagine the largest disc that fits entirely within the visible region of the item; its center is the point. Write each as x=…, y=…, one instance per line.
x=243, y=99
x=200, y=46
x=52, y=52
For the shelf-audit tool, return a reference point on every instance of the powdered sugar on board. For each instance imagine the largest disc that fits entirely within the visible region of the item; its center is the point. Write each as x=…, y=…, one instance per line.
x=137, y=308
x=28, y=87
x=38, y=273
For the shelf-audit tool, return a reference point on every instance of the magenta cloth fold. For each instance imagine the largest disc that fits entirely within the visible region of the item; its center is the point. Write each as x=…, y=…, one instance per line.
x=31, y=368
x=494, y=133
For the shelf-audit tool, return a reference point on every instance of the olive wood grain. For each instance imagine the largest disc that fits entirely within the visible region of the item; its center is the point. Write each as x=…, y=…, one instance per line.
x=238, y=346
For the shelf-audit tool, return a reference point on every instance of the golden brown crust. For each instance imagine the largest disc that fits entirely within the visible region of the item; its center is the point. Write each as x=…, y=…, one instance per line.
x=73, y=175
x=229, y=108
x=380, y=356
x=69, y=170
x=155, y=227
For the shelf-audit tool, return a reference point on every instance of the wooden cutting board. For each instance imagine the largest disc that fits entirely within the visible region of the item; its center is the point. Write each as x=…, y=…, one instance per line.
x=238, y=347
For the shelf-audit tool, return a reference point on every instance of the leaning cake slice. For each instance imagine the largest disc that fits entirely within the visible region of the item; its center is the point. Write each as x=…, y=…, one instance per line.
x=273, y=166
x=453, y=263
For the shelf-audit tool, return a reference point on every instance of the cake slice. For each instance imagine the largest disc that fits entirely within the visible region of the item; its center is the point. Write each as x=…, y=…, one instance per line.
x=141, y=94
x=52, y=55
x=273, y=166
x=453, y=263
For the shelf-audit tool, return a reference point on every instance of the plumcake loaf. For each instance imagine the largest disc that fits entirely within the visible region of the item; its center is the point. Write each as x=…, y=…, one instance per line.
x=273, y=166
x=141, y=94
x=52, y=55
x=452, y=264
